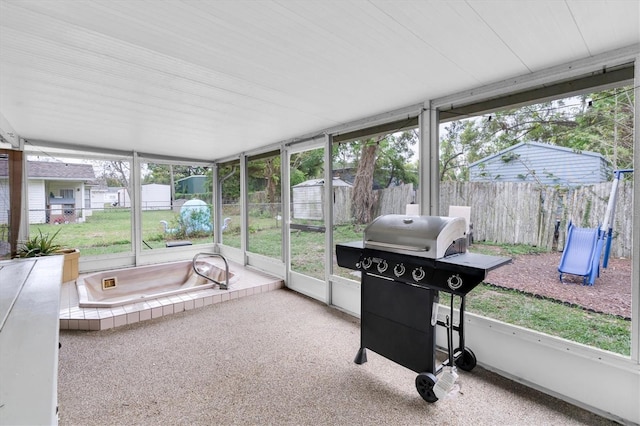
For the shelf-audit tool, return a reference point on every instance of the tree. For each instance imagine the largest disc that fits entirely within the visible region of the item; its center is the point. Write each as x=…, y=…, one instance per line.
x=394, y=157
x=458, y=147
x=380, y=162
x=264, y=175
x=306, y=165
x=229, y=181
x=118, y=173
x=363, y=198
x=168, y=174
x=605, y=125
x=161, y=173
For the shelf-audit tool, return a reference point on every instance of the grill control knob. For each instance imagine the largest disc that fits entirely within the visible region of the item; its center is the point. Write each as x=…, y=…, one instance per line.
x=382, y=266
x=418, y=273
x=399, y=270
x=366, y=262
x=454, y=282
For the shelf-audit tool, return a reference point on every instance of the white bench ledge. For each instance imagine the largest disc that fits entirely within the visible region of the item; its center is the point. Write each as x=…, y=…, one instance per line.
x=29, y=333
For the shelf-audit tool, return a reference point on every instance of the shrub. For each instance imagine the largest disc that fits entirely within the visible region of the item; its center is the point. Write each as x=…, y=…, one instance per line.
x=39, y=245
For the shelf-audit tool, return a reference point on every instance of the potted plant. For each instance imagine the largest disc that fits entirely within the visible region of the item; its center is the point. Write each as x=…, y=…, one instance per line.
x=45, y=245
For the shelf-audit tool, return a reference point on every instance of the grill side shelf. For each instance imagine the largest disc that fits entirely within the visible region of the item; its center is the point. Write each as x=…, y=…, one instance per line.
x=472, y=262
x=348, y=254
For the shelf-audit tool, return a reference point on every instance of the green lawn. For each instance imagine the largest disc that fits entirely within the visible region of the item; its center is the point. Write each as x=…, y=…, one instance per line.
x=572, y=323
x=109, y=231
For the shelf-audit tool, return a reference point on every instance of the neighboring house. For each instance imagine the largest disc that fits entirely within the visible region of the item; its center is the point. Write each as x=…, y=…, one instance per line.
x=64, y=193
x=308, y=198
x=196, y=184
x=57, y=192
x=542, y=163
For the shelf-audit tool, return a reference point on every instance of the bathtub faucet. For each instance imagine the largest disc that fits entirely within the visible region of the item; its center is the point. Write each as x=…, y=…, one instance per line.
x=223, y=286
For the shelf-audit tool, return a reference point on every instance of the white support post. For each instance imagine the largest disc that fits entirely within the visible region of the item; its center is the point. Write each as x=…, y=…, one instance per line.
x=328, y=214
x=635, y=291
x=136, y=207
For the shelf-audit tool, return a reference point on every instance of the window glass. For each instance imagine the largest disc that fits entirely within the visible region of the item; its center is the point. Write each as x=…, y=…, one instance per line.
x=229, y=182
x=265, y=206
x=80, y=203
x=373, y=176
x=538, y=180
x=9, y=214
x=307, y=214
x=176, y=202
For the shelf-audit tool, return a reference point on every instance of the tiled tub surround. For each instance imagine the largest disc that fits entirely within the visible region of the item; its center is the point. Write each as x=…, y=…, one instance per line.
x=137, y=284
x=73, y=317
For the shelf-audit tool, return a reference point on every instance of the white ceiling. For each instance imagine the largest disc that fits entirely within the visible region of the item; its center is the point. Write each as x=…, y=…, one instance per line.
x=210, y=79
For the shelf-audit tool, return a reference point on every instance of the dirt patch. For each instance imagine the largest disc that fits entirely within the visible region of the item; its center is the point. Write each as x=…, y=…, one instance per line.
x=538, y=274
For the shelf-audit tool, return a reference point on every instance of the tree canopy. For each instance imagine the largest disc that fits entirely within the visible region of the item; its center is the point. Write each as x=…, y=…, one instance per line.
x=600, y=122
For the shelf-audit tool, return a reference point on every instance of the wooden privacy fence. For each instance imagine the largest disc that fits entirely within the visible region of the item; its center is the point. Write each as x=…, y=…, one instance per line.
x=392, y=200
x=526, y=213
x=514, y=212
x=341, y=205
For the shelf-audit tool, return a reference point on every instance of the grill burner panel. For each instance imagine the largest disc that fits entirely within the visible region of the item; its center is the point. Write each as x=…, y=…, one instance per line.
x=458, y=273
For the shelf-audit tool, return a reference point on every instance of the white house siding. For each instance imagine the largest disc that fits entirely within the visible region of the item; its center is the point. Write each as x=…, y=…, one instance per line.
x=87, y=202
x=37, y=201
x=541, y=163
x=156, y=197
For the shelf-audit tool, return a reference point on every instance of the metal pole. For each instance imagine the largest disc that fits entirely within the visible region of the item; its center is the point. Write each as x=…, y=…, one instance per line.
x=606, y=230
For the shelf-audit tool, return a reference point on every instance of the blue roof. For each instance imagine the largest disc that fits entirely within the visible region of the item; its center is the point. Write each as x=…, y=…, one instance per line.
x=543, y=145
x=543, y=163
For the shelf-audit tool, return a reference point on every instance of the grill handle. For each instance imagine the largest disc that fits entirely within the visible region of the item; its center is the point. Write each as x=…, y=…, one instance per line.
x=434, y=310
x=380, y=245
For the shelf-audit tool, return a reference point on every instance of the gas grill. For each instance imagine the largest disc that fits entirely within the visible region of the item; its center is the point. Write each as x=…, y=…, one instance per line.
x=405, y=262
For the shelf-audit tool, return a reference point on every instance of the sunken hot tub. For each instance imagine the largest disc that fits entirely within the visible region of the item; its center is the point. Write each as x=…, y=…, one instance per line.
x=130, y=285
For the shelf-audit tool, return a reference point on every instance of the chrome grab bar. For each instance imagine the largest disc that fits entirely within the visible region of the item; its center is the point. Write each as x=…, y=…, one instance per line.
x=224, y=286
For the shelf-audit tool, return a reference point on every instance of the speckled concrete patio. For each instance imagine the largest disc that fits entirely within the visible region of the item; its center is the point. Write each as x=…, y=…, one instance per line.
x=274, y=358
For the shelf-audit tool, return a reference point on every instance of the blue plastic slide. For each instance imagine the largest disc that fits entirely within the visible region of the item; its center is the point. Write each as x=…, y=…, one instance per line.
x=581, y=255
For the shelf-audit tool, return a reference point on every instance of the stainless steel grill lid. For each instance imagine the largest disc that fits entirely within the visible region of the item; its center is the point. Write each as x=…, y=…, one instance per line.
x=424, y=236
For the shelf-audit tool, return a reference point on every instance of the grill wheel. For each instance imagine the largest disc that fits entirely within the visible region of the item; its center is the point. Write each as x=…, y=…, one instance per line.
x=467, y=361
x=425, y=383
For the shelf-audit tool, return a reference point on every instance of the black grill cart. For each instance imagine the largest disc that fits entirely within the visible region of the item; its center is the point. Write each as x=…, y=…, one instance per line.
x=405, y=264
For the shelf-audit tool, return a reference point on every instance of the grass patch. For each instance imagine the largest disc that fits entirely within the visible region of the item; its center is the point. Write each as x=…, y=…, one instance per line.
x=603, y=331
x=109, y=231
x=500, y=249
